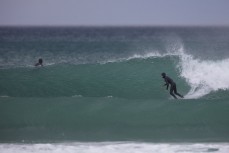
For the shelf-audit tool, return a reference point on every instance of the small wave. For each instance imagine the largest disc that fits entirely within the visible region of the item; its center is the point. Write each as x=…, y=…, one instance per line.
x=109, y=96
x=4, y=96
x=116, y=147
x=152, y=54
x=77, y=96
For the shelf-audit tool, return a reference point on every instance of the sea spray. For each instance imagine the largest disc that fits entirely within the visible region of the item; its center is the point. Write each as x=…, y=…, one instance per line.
x=203, y=76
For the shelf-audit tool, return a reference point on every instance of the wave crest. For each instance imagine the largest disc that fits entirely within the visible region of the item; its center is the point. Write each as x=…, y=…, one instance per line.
x=203, y=76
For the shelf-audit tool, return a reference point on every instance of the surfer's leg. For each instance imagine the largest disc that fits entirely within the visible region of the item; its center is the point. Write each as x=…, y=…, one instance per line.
x=175, y=91
x=171, y=92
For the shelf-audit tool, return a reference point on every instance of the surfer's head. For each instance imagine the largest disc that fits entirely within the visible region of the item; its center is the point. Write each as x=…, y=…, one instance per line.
x=163, y=75
x=40, y=61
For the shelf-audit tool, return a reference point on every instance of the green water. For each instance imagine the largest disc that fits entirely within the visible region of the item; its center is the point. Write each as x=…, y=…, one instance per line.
x=104, y=84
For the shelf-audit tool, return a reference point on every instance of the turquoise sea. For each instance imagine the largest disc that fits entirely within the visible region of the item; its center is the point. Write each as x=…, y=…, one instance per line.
x=100, y=89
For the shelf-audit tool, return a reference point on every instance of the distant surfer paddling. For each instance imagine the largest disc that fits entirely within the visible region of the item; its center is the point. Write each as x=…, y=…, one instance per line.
x=173, y=87
x=40, y=62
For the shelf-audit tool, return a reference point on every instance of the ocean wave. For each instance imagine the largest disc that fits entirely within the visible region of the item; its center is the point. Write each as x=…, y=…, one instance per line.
x=139, y=75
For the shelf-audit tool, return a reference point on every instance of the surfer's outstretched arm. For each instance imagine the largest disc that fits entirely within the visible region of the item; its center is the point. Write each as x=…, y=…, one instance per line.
x=166, y=84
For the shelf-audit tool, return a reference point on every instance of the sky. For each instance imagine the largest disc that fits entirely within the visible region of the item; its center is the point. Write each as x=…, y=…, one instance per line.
x=114, y=12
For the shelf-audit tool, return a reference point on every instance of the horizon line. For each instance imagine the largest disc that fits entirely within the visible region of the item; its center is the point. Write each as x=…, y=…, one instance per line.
x=110, y=25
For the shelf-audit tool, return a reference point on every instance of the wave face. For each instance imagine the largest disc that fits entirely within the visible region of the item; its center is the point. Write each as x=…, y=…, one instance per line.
x=104, y=84
x=136, y=78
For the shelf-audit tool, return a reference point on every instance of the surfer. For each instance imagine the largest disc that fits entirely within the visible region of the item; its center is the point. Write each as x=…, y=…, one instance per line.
x=40, y=62
x=173, y=87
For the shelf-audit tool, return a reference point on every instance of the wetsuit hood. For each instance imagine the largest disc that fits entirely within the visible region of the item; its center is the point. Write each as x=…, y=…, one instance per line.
x=163, y=75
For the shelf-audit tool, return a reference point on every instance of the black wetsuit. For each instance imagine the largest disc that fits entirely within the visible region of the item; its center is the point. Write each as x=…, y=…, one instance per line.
x=173, y=87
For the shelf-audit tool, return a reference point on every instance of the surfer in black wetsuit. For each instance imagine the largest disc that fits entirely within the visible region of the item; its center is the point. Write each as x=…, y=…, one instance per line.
x=40, y=62
x=173, y=87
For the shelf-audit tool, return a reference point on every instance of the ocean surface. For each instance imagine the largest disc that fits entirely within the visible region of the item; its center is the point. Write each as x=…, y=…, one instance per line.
x=100, y=90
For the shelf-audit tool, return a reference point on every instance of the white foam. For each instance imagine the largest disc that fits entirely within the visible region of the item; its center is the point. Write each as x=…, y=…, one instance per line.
x=77, y=96
x=115, y=147
x=109, y=96
x=145, y=55
x=133, y=56
x=204, y=76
